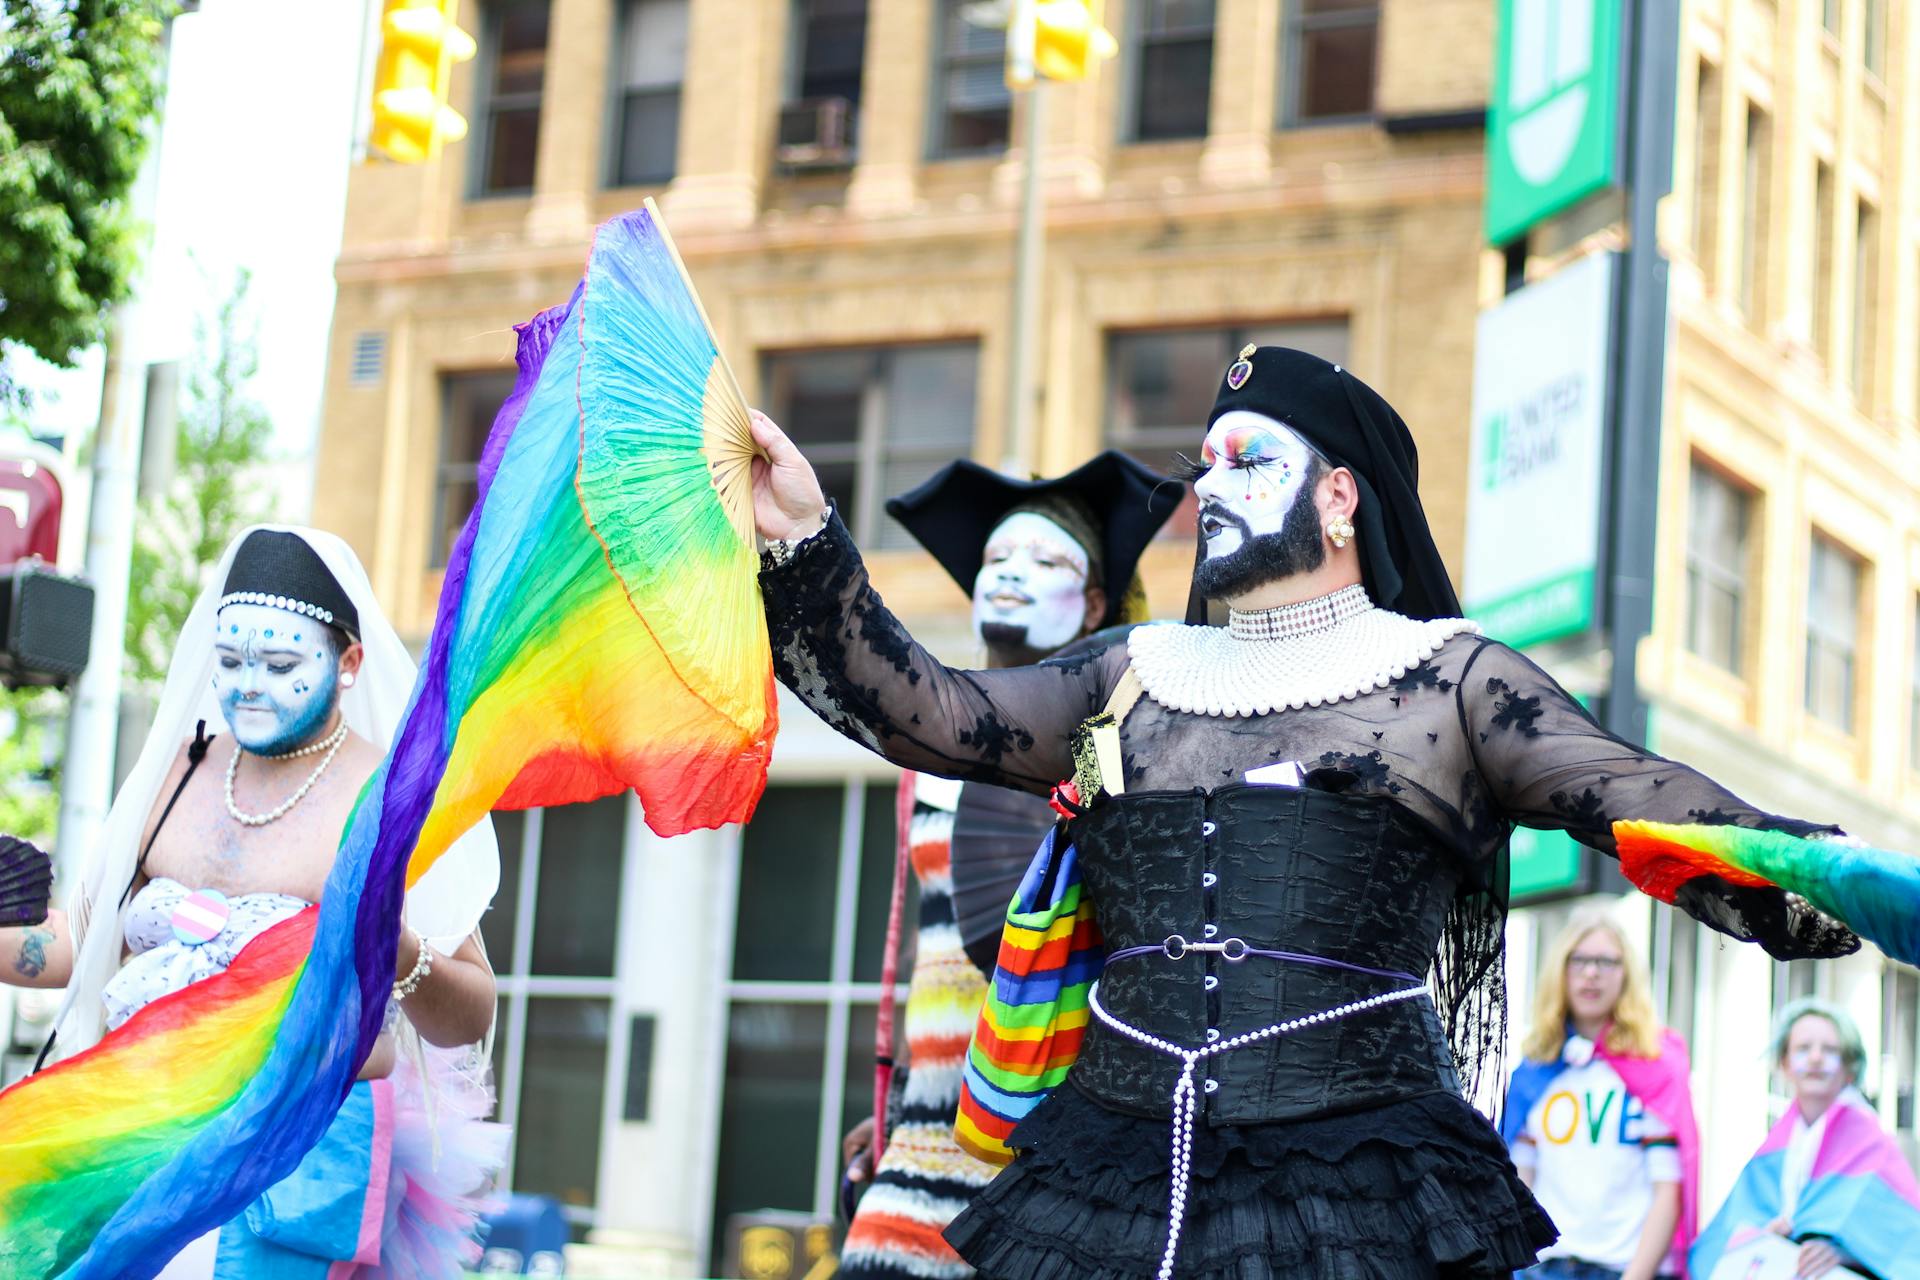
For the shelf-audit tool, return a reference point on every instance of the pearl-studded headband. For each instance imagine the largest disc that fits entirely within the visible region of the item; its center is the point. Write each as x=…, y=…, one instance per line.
x=277, y=602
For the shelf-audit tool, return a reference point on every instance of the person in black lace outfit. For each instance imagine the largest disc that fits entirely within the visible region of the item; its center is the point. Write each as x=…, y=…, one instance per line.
x=1308, y=817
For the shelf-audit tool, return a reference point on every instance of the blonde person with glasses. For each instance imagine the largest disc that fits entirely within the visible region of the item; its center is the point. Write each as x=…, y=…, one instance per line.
x=1827, y=1178
x=1598, y=1116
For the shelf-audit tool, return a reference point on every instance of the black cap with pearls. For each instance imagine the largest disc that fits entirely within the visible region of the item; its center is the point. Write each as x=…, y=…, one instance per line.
x=280, y=570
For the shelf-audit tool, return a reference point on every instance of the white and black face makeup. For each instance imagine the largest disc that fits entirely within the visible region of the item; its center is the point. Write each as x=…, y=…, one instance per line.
x=276, y=674
x=1031, y=591
x=1257, y=513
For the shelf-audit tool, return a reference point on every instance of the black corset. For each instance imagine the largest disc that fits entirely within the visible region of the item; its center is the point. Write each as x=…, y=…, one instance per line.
x=1352, y=879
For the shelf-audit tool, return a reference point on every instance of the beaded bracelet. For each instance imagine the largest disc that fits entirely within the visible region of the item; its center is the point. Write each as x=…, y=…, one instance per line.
x=422, y=966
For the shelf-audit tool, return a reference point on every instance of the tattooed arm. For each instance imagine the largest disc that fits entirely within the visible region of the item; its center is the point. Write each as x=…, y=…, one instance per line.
x=39, y=955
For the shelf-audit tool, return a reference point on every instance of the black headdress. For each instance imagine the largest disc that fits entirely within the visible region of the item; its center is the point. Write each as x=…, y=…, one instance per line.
x=953, y=514
x=279, y=569
x=1350, y=425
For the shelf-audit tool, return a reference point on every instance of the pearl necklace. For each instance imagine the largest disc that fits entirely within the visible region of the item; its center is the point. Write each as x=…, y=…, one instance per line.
x=1299, y=655
x=1186, y=1097
x=330, y=744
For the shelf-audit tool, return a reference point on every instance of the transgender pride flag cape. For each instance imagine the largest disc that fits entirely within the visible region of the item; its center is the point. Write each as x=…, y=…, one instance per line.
x=1861, y=1195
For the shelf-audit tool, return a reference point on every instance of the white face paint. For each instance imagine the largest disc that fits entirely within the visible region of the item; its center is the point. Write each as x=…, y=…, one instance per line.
x=275, y=673
x=1033, y=576
x=1254, y=469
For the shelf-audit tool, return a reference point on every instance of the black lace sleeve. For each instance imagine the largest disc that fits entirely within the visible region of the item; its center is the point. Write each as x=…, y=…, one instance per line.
x=1546, y=762
x=849, y=659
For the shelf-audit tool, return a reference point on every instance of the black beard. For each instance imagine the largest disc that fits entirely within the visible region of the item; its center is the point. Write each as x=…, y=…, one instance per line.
x=1007, y=645
x=1296, y=548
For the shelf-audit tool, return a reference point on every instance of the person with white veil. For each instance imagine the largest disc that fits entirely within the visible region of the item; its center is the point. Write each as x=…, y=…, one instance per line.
x=290, y=654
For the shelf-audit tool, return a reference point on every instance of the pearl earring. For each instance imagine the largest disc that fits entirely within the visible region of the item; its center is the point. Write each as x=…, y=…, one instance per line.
x=1340, y=530
x=346, y=681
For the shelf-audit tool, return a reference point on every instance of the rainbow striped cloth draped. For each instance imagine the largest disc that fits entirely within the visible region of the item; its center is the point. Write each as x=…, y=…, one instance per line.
x=1029, y=1031
x=1874, y=892
x=599, y=629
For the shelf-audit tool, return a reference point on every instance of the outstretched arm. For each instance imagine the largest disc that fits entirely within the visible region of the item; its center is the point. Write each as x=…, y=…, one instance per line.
x=836, y=645
x=1547, y=763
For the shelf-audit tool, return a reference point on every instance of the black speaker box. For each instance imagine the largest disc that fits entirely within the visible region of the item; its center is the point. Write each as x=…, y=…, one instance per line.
x=46, y=626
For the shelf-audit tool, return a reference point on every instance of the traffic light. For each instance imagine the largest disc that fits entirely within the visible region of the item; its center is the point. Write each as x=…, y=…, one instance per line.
x=419, y=43
x=1056, y=39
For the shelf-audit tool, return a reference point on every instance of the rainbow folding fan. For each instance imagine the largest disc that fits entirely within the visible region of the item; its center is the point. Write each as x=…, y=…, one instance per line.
x=599, y=629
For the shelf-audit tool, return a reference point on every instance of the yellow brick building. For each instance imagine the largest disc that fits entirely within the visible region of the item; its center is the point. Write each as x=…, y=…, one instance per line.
x=686, y=1025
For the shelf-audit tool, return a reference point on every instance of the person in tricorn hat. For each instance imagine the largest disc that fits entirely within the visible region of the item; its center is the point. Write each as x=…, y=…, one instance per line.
x=1046, y=562
x=1298, y=862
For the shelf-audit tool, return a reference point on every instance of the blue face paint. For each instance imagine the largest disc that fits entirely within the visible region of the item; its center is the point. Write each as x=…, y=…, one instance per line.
x=275, y=698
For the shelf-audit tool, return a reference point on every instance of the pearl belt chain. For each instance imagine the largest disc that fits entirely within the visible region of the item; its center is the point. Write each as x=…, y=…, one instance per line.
x=330, y=744
x=1185, y=1096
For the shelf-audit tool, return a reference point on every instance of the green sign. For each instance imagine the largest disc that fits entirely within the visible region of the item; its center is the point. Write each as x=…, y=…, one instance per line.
x=1552, y=126
x=1544, y=862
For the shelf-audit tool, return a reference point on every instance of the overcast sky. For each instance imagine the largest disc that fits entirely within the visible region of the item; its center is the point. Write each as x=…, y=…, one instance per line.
x=256, y=144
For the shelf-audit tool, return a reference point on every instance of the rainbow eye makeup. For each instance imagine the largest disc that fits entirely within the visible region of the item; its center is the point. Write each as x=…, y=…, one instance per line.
x=1247, y=446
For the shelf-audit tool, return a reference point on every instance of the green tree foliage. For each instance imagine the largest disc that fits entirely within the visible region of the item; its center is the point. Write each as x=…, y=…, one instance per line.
x=223, y=435
x=79, y=87
x=30, y=800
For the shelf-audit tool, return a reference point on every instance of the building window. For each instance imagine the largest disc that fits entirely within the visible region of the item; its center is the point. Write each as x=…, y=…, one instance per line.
x=1833, y=632
x=1332, y=46
x=1913, y=701
x=1161, y=382
x=1823, y=260
x=468, y=403
x=1677, y=967
x=876, y=421
x=1830, y=15
x=1756, y=186
x=1706, y=163
x=820, y=126
x=1718, y=516
x=552, y=938
x=972, y=107
x=653, y=59
x=816, y=867
x=513, y=79
x=1900, y=1047
x=1172, y=69
x=1866, y=302
x=1874, y=52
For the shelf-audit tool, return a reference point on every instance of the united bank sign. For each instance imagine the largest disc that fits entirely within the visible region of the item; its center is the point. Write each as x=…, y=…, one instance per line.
x=1539, y=432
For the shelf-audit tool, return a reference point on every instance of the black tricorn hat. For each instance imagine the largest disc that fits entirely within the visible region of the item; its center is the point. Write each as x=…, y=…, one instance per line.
x=277, y=568
x=1351, y=425
x=952, y=514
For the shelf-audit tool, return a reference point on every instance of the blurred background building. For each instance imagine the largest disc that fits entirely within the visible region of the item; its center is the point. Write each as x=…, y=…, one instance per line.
x=687, y=1026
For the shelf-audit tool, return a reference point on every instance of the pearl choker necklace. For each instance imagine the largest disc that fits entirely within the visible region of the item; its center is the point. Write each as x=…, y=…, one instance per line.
x=1299, y=655
x=1301, y=618
x=330, y=744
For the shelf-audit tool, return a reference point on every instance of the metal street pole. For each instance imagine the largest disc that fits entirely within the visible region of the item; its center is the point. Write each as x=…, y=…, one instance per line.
x=93, y=720
x=1018, y=459
x=1652, y=38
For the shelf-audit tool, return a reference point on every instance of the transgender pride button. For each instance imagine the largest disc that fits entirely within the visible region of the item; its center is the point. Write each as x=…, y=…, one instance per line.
x=201, y=916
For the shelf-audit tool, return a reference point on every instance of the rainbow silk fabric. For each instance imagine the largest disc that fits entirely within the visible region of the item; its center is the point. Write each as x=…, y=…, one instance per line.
x=1035, y=1016
x=599, y=630
x=1874, y=892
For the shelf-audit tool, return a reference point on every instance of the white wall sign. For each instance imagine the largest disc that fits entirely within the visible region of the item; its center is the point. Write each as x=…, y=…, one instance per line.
x=1539, y=429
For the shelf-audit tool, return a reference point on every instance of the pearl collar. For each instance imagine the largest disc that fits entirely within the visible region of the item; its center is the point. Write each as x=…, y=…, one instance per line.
x=1320, y=651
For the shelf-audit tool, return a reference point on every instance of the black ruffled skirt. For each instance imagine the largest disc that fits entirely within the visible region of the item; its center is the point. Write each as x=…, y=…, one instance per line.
x=1414, y=1190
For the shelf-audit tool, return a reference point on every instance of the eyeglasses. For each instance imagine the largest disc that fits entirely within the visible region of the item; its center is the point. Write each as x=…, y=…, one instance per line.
x=1599, y=964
